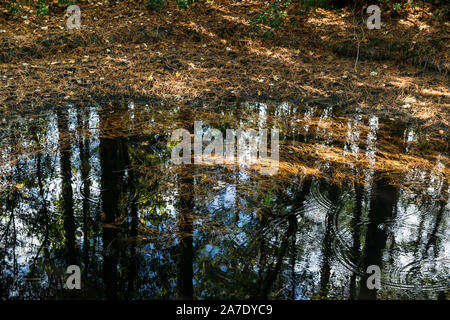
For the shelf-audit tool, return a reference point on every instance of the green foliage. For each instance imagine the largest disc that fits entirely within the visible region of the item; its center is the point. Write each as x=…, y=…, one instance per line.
x=268, y=200
x=397, y=7
x=441, y=8
x=413, y=4
x=156, y=5
x=14, y=6
x=42, y=10
x=66, y=2
x=272, y=17
x=182, y=4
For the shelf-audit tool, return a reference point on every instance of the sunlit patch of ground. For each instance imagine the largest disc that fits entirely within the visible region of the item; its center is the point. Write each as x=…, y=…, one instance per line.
x=209, y=54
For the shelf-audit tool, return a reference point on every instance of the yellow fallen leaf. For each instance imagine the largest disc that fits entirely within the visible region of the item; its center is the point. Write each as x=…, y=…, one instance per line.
x=177, y=74
x=150, y=77
x=19, y=186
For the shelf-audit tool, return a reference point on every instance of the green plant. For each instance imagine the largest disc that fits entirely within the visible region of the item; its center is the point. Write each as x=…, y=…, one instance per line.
x=268, y=199
x=271, y=17
x=413, y=4
x=66, y=2
x=397, y=7
x=42, y=10
x=14, y=6
x=156, y=5
x=182, y=4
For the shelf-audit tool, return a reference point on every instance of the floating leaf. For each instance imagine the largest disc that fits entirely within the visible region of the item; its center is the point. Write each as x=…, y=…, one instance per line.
x=19, y=186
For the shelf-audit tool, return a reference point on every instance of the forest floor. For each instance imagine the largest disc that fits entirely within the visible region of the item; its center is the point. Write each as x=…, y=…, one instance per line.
x=209, y=54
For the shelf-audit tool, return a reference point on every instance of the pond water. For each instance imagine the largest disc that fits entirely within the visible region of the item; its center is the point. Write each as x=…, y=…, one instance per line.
x=95, y=187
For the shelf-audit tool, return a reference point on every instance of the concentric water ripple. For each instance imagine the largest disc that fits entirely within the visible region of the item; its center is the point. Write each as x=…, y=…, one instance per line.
x=409, y=265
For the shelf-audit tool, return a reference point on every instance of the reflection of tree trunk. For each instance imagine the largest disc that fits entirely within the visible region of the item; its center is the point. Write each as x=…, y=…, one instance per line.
x=292, y=264
x=185, y=228
x=327, y=242
x=236, y=170
x=185, y=208
x=11, y=202
x=85, y=168
x=67, y=196
x=417, y=243
x=133, y=267
x=133, y=232
x=67, y=192
x=381, y=208
x=356, y=230
x=109, y=161
x=292, y=218
x=299, y=203
x=44, y=212
x=273, y=274
x=432, y=239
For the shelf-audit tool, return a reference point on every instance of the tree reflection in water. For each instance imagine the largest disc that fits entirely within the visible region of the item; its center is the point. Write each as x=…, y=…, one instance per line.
x=95, y=187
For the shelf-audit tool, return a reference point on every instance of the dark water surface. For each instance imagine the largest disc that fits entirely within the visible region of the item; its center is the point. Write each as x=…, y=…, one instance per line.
x=95, y=187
